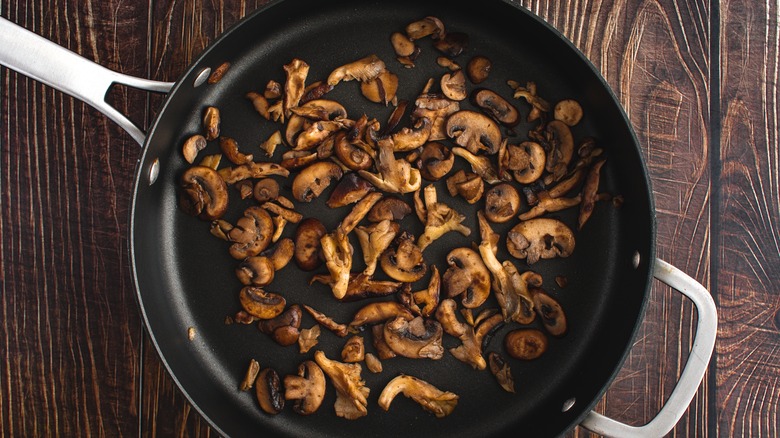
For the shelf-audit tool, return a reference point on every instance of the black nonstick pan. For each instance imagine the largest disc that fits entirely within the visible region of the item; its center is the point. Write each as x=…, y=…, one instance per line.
x=185, y=277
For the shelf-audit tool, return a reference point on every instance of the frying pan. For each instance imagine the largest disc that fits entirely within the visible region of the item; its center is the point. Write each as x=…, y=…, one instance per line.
x=184, y=276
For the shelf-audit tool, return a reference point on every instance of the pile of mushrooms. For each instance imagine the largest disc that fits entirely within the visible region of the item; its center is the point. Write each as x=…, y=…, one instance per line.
x=460, y=137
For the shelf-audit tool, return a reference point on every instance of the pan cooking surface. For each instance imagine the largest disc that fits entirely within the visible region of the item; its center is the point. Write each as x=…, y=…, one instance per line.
x=185, y=276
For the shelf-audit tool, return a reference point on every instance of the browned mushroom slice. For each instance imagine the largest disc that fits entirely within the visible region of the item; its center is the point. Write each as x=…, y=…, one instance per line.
x=268, y=388
x=284, y=327
x=373, y=364
x=192, y=146
x=501, y=371
x=314, y=179
x=423, y=302
x=211, y=161
x=354, y=350
x=501, y=203
x=440, y=220
x=467, y=275
x=266, y=189
x=229, y=148
x=538, y=105
x=374, y=313
x=428, y=26
x=418, y=338
x=436, y=161
x=404, y=262
x=381, y=89
x=480, y=164
x=339, y=330
x=468, y=185
x=317, y=134
x=337, y=253
x=352, y=188
x=362, y=286
x=496, y=106
x=352, y=156
x=470, y=350
x=252, y=170
x=374, y=240
x=260, y=103
x=550, y=312
x=378, y=340
x=561, y=147
x=525, y=344
x=526, y=161
x=204, y=193
x=438, y=402
x=362, y=70
x=307, y=243
x=478, y=69
x=351, y=392
x=540, y=238
x=315, y=91
x=519, y=306
x=402, y=45
x=251, y=375
x=437, y=108
x=358, y=212
x=389, y=208
x=281, y=254
x=255, y=271
x=395, y=176
x=549, y=205
x=297, y=71
x=261, y=304
x=408, y=139
x=211, y=122
x=273, y=90
x=287, y=214
x=315, y=110
x=452, y=44
x=307, y=388
x=474, y=131
x=568, y=111
x=589, y=194
x=252, y=233
x=309, y=338
x=453, y=85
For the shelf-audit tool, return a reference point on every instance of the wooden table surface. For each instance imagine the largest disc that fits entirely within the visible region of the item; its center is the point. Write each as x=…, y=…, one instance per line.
x=697, y=79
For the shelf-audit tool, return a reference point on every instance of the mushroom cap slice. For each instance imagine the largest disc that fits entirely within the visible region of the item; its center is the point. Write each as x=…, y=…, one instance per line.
x=526, y=161
x=363, y=69
x=467, y=275
x=432, y=399
x=525, y=344
x=261, y=304
x=205, y=193
x=307, y=243
x=405, y=261
x=496, y=106
x=478, y=69
x=551, y=313
x=314, y=179
x=256, y=271
x=561, y=146
x=389, y=208
x=501, y=203
x=307, y=388
x=453, y=85
x=568, y=111
x=436, y=161
x=252, y=234
x=374, y=313
x=540, y=238
x=417, y=338
x=474, y=131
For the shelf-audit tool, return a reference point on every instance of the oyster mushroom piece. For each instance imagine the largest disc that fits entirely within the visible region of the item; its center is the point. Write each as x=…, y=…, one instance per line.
x=501, y=371
x=261, y=304
x=395, y=176
x=418, y=338
x=589, y=193
x=314, y=179
x=297, y=71
x=540, y=238
x=307, y=388
x=436, y=161
x=204, y=193
x=339, y=330
x=561, y=149
x=358, y=212
x=424, y=302
x=438, y=109
x=351, y=390
x=389, y=208
x=467, y=275
x=474, y=131
x=520, y=306
x=312, y=111
x=337, y=253
x=440, y=219
x=432, y=399
x=470, y=350
x=501, y=203
x=252, y=170
x=283, y=328
x=354, y=350
x=309, y=338
x=362, y=286
x=496, y=107
x=363, y=69
x=211, y=121
x=453, y=85
x=252, y=233
x=404, y=262
x=374, y=240
x=480, y=164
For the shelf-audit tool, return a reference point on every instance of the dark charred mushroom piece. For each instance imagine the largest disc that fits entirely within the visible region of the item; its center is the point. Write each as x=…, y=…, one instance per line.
x=436, y=161
x=350, y=189
x=478, y=69
x=268, y=388
x=501, y=203
x=314, y=179
x=404, y=262
x=389, y=208
x=261, y=304
x=525, y=344
x=284, y=328
x=496, y=106
x=418, y=338
x=551, y=313
x=501, y=371
x=204, y=193
x=307, y=243
x=307, y=388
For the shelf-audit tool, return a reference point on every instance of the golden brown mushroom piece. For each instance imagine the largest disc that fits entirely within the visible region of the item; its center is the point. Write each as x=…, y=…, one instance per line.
x=374, y=240
x=404, y=262
x=307, y=243
x=252, y=170
x=436, y=161
x=568, y=111
x=252, y=233
x=478, y=69
x=453, y=85
x=211, y=121
x=428, y=26
x=424, y=302
x=418, y=338
x=474, y=131
x=468, y=185
x=309, y=112
x=500, y=369
x=471, y=337
x=352, y=188
x=381, y=89
x=374, y=313
x=561, y=142
x=352, y=156
x=496, y=107
x=468, y=276
x=314, y=179
x=480, y=164
x=525, y=344
x=351, y=390
x=297, y=71
x=255, y=271
x=389, y=208
x=363, y=69
x=283, y=328
x=440, y=219
x=229, y=148
x=525, y=161
x=261, y=304
x=192, y=146
x=437, y=108
x=540, y=238
x=395, y=176
x=354, y=350
x=501, y=203
x=550, y=312
x=432, y=399
x=204, y=193
x=307, y=388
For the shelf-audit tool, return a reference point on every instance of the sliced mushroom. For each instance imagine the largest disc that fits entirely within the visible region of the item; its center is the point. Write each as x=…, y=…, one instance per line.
x=229, y=148
x=297, y=71
x=273, y=90
x=568, y=111
x=389, y=208
x=547, y=204
x=428, y=26
x=251, y=375
x=424, y=302
x=561, y=143
x=501, y=371
x=352, y=156
x=550, y=312
x=362, y=70
x=252, y=170
x=378, y=340
x=440, y=219
x=312, y=111
x=402, y=45
x=395, y=176
x=351, y=392
x=268, y=388
x=352, y=188
x=374, y=240
x=432, y=399
x=468, y=185
x=501, y=203
x=589, y=193
x=211, y=122
x=292, y=160
x=281, y=254
x=438, y=109
x=315, y=91
x=452, y=44
x=453, y=85
x=526, y=161
x=496, y=106
x=266, y=189
x=373, y=364
x=255, y=271
x=381, y=89
x=525, y=344
x=474, y=131
x=260, y=103
x=362, y=286
x=418, y=338
x=358, y=212
x=204, y=193
x=284, y=328
x=338, y=329
x=307, y=243
x=261, y=304
x=192, y=146
x=252, y=233
x=478, y=69
x=354, y=350
x=538, y=105
x=374, y=313
x=436, y=161
x=408, y=139
x=540, y=238
x=467, y=275
x=307, y=388
x=404, y=262
x=480, y=164
x=211, y=161
x=314, y=179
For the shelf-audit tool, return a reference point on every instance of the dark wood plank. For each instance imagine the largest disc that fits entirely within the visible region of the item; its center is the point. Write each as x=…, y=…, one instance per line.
x=70, y=329
x=749, y=297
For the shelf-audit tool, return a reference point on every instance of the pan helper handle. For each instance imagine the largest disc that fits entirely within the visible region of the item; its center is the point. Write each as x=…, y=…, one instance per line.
x=58, y=67
x=692, y=374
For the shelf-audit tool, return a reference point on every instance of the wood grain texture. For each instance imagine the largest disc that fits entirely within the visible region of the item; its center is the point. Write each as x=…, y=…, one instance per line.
x=70, y=328
x=748, y=353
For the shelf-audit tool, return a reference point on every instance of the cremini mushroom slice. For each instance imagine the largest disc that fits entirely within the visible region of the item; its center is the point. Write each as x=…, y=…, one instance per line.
x=307, y=388
x=362, y=286
x=468, y=185
x=352, y=156
x=374, y=313
x=474, y=131
x=192, y=146
x=281, y=254
x=540, y=238
x=309, y=338
x=244, y=189
x=292, y=160
x=268, y=389
x=589, y=193
x=525, y=343
x=217, y=74
x=439, y=403
x=550, y=312
x=480, y=164
x=317, y=133
x=496, y=107
x=501, y=371
x=252, y=169
x=307, y=243
x=204, y=193
x=453, y=85
x=418, y=338
x=252, y=233
x=358, y=212
x=266, y=189
x=297, y=71
x=561, y=142
x=478, y=69
x=408, y=139
x=350, y=189
x=526, y=161
x=373, y=363
x=250, y=376
x=289, y=215
x=501, y=203
x=519, y=306
x=338, y=329
x=363, y=69
x=447, y=63
x=220, y=229
x=428, y=26
x=468, y=276
x=211, y=122
x=354, y=350
x=378, y=340
x=351, y=390
x=255, y=271
x=441, y=219
x=261, y=304
x=374, y=240
x=402, y=45
x=568, y=111
x=389, y=208
x=452, y=44
x=381, y=89
x=284, y=328
x=395, y=176
x=436, y=161
x=404, y=262
x=438, y=109
x=229, y=148
x=310, y=182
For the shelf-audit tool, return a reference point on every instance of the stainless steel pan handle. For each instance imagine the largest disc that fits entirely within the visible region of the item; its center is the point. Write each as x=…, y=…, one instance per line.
x=692, y=374
x=58, y=67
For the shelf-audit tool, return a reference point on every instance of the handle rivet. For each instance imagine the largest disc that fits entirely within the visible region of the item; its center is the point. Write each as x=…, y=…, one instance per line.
x=636, y=259
x=154, y=171
x=568, y=404
x=202, y=77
